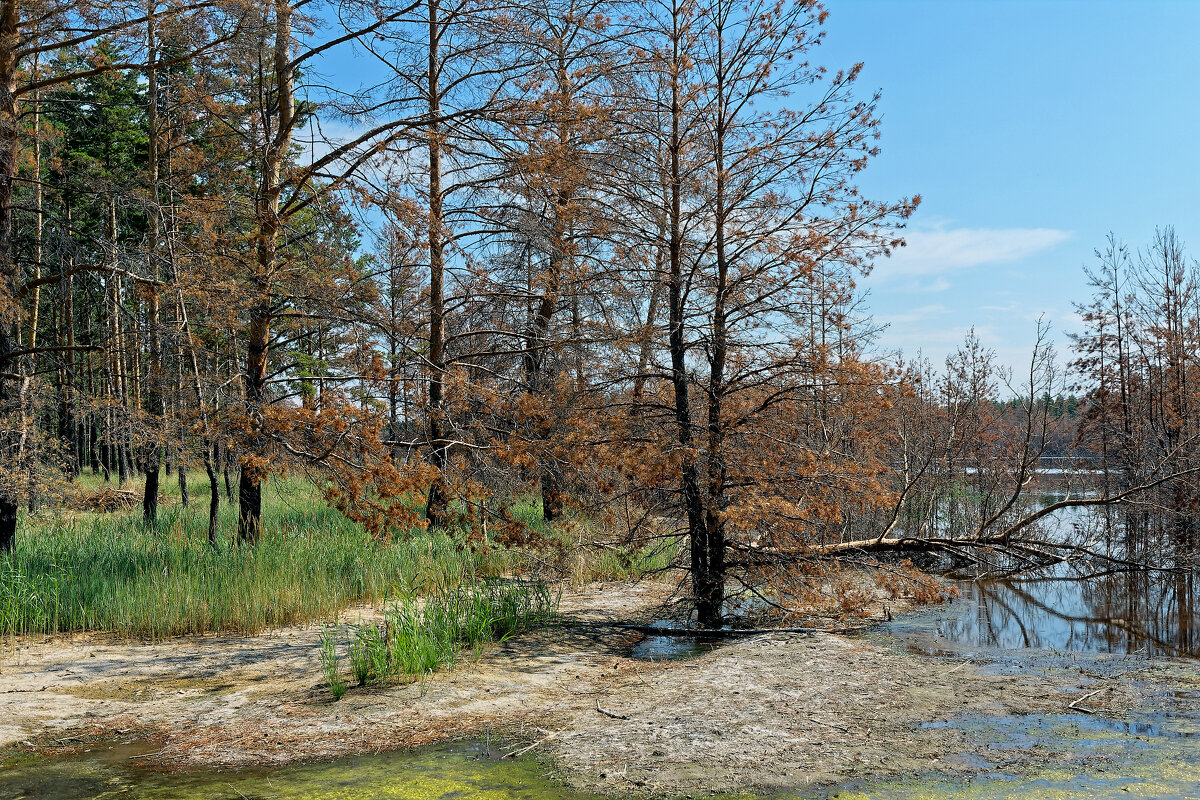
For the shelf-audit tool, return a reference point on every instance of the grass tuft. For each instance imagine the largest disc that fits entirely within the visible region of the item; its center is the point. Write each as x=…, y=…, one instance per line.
x=330, y=664
x=418, y=637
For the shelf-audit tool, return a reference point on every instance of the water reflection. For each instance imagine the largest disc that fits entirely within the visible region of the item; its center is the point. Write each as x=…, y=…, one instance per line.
x=670, y=648
x=1152, y=613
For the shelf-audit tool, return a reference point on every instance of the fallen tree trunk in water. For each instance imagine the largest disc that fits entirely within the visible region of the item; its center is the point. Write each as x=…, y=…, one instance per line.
x=1035, y=552
x=713, y=633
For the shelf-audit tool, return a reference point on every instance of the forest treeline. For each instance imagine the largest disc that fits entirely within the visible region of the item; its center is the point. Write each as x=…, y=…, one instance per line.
x=448, y=253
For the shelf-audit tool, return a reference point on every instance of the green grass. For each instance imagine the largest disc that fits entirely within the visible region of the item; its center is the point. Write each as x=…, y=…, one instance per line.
x=418, y=637
x=82, y=571
x=329, y=664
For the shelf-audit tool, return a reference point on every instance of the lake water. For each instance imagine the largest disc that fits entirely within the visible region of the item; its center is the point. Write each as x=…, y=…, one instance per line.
x=1151, y=613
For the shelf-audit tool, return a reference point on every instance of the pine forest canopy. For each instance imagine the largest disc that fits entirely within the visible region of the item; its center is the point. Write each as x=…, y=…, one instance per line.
x=599, y=253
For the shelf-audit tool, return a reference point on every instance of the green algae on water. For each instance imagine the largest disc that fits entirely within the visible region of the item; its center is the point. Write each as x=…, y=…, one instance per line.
x=462, y=772
x=1082, y=757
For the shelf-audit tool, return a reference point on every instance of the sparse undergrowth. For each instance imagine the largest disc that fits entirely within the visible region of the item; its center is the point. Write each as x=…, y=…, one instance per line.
x=581, y=552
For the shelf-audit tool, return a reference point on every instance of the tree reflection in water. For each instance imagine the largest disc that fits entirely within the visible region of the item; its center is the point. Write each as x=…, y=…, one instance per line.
x=1134, y=611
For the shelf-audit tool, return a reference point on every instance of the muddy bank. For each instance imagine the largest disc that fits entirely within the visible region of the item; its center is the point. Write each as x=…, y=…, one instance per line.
x=775, y=711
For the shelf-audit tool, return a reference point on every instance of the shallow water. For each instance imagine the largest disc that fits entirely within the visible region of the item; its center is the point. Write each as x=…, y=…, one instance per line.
x=672, y=648
x=1151, y=613
x=1142, y=763
x=1099, y=758
x=1014, y=626
x=462, y=772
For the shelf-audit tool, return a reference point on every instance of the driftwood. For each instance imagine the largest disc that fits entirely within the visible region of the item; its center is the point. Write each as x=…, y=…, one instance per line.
x=716, y=633
x=609, y=713
x=524, y=750
x=1074, y=705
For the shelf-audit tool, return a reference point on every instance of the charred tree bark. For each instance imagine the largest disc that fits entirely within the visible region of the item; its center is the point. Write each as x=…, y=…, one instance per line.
x=9, y=316
x=438, y=499
x=181, y=473
x=253, y=463
x=693, y=505
x=155, y=405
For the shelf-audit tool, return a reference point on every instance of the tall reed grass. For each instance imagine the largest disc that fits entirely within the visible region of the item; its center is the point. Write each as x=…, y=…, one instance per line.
x=83, y=571
x=110, y=572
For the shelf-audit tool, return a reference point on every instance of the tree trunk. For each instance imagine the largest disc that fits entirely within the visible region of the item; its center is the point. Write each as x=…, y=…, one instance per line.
x=253, y=464
x=437, y=501
x=552, y=493
x=9, y=318
x=709, y=587
x=538, y=382
x=155, y=406
x=214, y=492
x=249, y=504
x=150, y=496
x=646, y=345
x=689, y=478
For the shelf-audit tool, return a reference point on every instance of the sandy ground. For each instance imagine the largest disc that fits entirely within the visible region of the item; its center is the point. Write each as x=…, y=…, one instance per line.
x=769, y=711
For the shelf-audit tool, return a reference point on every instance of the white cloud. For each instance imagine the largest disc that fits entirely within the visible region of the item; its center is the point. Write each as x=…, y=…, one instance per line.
x=922, y=314
x=936, y=285
x=934, y=252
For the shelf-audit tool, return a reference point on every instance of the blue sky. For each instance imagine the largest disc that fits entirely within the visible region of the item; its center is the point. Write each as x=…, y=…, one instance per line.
x=1031, y=130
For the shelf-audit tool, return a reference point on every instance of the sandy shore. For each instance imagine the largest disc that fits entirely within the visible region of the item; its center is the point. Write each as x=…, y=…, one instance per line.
x=769, y=711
